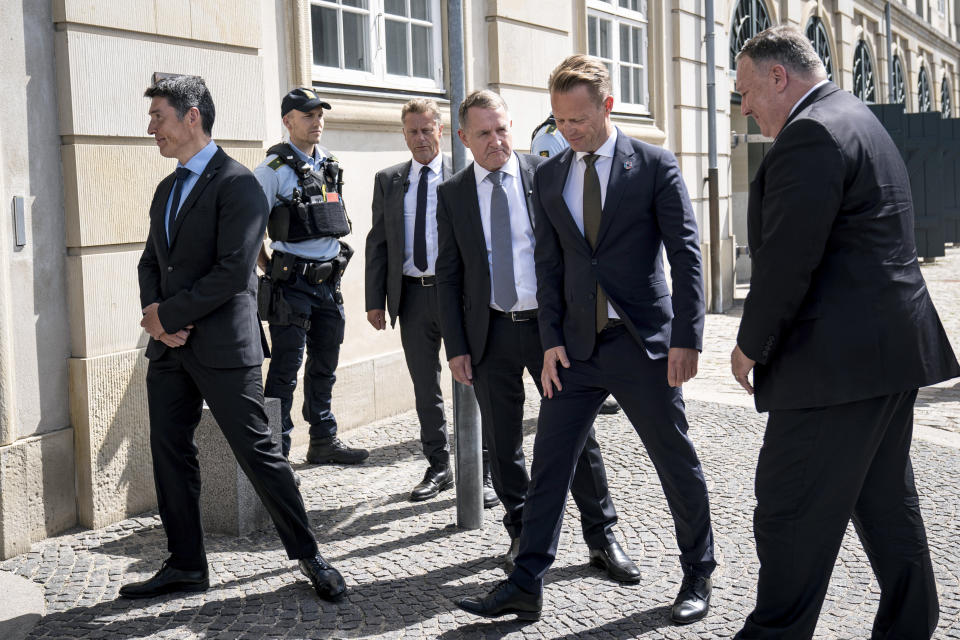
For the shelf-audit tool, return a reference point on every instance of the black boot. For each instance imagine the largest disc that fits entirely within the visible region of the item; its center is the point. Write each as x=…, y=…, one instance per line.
x=505, y=599
x=332, y=450
x=490, y=498
x=168, y=580
x=434, y=481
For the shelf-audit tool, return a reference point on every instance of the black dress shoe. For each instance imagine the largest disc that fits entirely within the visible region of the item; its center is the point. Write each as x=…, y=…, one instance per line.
x=327, y=581
x=490, y=498
x=333, y=451
x=693, y=601
x=505, y=598
x=615, y=562
x=434, y=481
x=610, y=406
x=511, y=555
x=167, y=580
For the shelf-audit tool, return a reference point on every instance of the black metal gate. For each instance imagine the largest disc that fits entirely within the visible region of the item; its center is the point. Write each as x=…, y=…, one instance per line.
x=929, y=146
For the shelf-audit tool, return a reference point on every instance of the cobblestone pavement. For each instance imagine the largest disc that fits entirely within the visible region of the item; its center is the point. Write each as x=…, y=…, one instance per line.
x=404, y=562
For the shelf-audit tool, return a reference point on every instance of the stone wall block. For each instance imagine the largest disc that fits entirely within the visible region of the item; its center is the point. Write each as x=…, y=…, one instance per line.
x=109, y=412
x=118, y=108
x=113, y=207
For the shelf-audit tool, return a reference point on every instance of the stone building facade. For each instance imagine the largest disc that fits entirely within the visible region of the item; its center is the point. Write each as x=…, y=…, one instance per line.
x=73, y=420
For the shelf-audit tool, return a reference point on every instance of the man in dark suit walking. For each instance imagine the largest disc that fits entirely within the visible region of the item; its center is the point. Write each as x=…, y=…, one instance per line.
x=400, y=258
x=198, y=295
x=488, y=309
x=606, y=208
x=840, y=332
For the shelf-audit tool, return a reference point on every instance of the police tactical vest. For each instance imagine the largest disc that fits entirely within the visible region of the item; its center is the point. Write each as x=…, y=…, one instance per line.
x=315, y=208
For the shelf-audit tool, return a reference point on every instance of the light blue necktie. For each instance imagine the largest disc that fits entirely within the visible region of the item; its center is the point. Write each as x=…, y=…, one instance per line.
x=501, y=240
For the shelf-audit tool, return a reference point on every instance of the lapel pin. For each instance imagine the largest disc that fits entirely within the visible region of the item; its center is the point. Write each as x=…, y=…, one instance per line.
x=628, y=165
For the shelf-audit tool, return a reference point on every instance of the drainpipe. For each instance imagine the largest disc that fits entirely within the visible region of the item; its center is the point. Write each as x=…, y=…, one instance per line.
x=466, y=412
x=713, y=174
x=892, y=91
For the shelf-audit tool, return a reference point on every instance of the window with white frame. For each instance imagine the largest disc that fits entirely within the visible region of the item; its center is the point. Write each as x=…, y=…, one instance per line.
x=617, y=34
x=378, y=43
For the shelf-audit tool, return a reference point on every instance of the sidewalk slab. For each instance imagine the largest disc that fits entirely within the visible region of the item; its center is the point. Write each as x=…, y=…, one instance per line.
x=21, y=606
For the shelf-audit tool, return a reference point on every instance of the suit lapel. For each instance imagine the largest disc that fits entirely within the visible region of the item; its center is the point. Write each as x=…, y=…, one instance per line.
x=526, y=180
x=395, y=199
x=623, y=169
x=554, y=196
x=472, y=212
x=158, y=209
x=209, y=172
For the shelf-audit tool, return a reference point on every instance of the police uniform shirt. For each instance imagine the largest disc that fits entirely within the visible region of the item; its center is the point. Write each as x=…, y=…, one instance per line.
x=410, y=215
x=521, y=232
x=195, y=165
x=282, y=181
x=573, y=190
x=548, y=142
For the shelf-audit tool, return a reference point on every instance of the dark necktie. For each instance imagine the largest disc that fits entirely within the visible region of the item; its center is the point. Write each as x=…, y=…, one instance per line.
x=182, y=174
x=592, y=210
x=501, y=244
x=420, y=223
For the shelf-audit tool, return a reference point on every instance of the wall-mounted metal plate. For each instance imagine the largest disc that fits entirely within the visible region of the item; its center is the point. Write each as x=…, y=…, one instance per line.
x=19, y=224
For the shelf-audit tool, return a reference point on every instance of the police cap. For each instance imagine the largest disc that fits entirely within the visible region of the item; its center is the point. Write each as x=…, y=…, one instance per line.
x=302, y=99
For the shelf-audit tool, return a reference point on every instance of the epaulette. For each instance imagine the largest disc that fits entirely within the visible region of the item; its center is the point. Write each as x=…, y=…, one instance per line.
x=276, y=163
x=551, y=128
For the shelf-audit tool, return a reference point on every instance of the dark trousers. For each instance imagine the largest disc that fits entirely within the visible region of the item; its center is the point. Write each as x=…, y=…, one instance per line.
x=817, y=469
x=498, y=381
x=420, y=336
x=177, y=385
x=323, y=341
x=619, y=367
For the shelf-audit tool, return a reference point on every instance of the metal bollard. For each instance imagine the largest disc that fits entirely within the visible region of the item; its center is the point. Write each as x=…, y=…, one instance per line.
x=469, y=465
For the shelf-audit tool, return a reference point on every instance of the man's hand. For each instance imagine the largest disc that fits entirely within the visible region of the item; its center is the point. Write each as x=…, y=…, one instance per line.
x=263, y=259
x=461, y=369
x=151, y=323
x=178, y=339
x=681, y=365
x=377, y=319
x=550, y=376
x=741, y=365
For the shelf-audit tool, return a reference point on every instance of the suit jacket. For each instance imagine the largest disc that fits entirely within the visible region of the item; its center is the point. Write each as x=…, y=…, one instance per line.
x=386, y=242
x=837, y=310
x=206, y=276
x=463, y=270
x=646, y=208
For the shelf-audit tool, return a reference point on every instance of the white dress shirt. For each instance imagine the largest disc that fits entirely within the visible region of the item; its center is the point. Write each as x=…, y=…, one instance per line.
x=573, y=190
x=521, y=235
x=410, y=215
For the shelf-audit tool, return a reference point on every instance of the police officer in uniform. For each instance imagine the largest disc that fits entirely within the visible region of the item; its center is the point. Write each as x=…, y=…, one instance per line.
x=300, y=292
x=546, y=142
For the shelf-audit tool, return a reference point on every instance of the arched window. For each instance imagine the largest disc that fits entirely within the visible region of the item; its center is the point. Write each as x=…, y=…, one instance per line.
x=924, y=101
x=864, y=86
x=750, y=18
x=817, y=34
x=899, y=88
x=946, y=104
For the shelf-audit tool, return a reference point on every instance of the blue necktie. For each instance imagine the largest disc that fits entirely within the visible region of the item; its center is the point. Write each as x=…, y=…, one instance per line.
x=420, y=223
x=182, y=174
